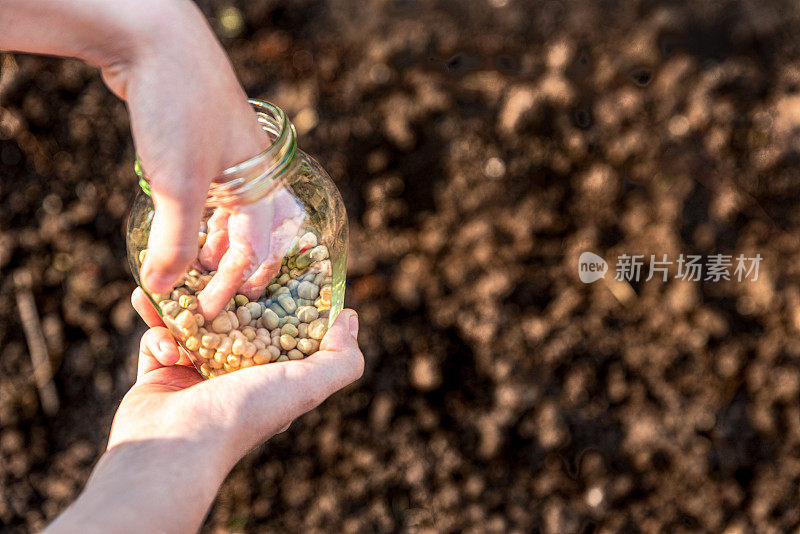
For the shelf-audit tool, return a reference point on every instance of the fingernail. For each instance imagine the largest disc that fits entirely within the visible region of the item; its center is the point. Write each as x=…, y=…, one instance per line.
x=354, y=325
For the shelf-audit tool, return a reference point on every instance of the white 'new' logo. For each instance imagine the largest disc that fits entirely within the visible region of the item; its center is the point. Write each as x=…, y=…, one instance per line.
x=591, y=267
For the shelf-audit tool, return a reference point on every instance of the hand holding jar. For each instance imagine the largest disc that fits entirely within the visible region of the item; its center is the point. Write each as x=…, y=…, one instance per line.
x=268, y=277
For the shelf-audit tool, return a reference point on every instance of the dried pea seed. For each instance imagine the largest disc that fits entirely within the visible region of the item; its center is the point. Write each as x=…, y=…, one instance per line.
x=307, y=290
x=185, y=321
x=289, y=329
x=249, y=333
x=307, y=314
x=234, y=320
x=325, y=294
x=194, y=284
x=222, y=323
x=303, y=260
x=318, y=253
x=255, y=309
x=238, y=346
x=269, y=319
x=237, y=334
x=243, y=315
x=274, y=352
x=192, y=343
x=317, y=329
x=249, y=349
x=288, y=342
x=305, y=346
x=246, y=362
x=291, y=319
x=234, y=360
x=302, y=330
x=142, y=255
x=199, y=319
x=261, y=357
x=282, y=358
x=201, y=239
x=206, y=353
x=225, y=345
x=170, y=308
x=260, y=344
x=287, y=303
x=210, y=341
x=294, y=354
x=188, y=302
x=276, y=308
x=219, y=358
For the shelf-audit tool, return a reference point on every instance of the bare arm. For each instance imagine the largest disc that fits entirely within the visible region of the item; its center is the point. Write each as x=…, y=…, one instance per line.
x=189, y=116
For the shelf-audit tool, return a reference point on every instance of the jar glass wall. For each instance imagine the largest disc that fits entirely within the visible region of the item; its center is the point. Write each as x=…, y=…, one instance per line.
x=279, y=219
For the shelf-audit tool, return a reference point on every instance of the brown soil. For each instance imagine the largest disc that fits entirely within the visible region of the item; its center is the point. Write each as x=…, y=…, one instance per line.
x=501, y=393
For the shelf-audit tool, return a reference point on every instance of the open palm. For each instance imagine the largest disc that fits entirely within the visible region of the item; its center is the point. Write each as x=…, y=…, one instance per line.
x=237, y=411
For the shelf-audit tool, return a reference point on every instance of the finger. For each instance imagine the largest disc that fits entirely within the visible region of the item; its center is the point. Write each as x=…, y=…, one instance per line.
x=266, y=398
x=157, y=349
x=343, y=335
x=172, y=243
x=249, y=232
x=143, y=306
x=287, y=221
x=234, y=268
x=216, y=241
x=254, y=286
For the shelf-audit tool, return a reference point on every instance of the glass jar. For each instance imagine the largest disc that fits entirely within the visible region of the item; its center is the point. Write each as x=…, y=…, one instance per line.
x=295, y=233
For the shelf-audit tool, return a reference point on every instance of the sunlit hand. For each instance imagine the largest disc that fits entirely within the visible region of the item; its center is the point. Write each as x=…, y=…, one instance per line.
x=175, y=436
x=189, y=116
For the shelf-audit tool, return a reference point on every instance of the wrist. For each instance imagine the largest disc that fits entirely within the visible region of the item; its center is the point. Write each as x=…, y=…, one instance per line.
x=128, y=30
x=146, y=486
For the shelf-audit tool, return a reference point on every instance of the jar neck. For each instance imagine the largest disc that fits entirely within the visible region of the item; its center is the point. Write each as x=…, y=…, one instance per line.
x=260, y=175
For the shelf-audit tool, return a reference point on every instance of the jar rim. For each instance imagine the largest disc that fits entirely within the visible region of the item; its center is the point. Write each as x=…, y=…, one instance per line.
x=255, y=177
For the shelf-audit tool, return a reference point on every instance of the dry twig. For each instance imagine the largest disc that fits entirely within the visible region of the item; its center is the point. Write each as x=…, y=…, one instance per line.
x=37, y=347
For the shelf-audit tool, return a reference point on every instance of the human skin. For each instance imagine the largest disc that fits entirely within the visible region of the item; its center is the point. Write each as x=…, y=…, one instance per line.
x=190, y=118
x=175, y=436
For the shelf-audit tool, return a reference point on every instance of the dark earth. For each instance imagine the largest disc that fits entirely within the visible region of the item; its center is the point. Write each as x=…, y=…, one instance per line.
x=480, y=147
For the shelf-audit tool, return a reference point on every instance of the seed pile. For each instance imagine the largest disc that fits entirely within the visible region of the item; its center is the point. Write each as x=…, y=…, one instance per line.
x=286, y=323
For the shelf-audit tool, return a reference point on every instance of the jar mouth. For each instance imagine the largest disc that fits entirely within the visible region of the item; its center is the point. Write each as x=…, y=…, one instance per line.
x=256, y=177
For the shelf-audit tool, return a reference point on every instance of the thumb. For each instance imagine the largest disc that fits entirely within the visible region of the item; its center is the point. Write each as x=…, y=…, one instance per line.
x=172, y=244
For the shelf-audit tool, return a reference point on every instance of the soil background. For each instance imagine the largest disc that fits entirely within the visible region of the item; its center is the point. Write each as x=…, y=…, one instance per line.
x=480, y=147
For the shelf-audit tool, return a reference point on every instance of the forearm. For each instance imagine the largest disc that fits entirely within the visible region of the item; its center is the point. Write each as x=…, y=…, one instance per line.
x=146, y=486
x=101, y=32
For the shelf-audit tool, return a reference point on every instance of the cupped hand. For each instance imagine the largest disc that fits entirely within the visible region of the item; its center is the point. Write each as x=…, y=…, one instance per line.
x=230, y=414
